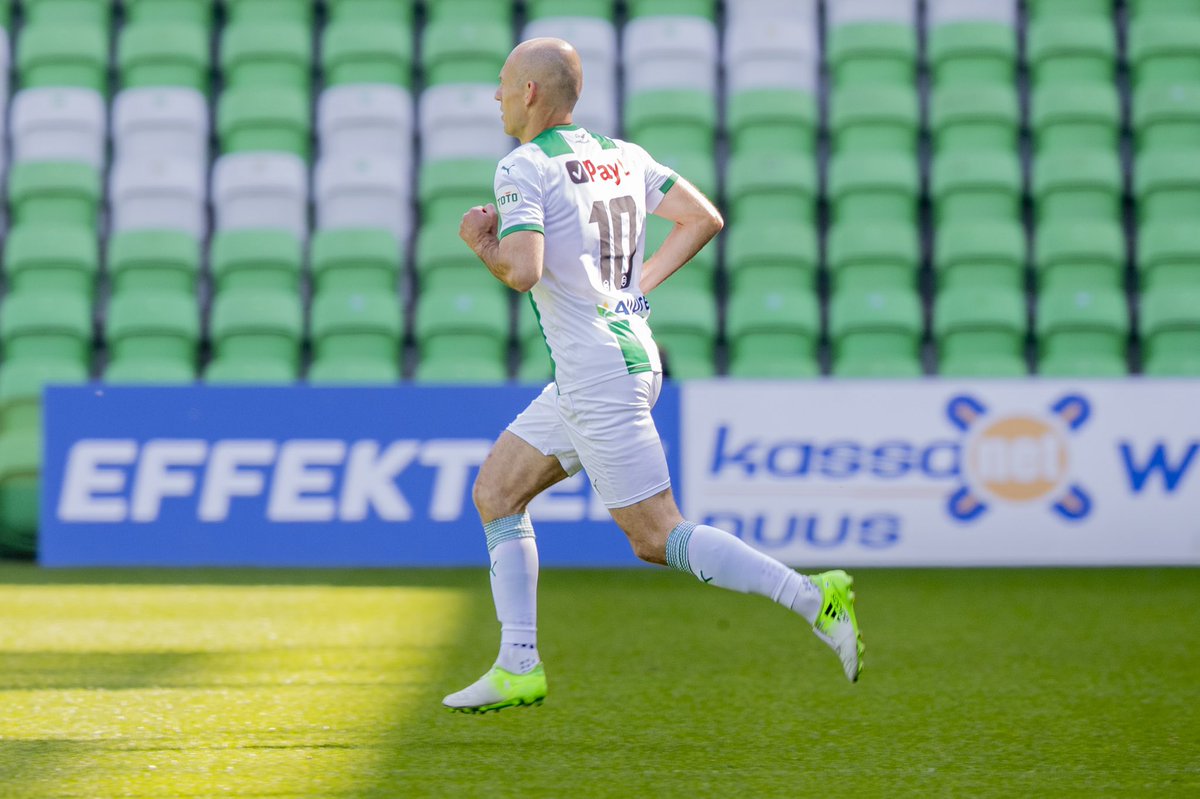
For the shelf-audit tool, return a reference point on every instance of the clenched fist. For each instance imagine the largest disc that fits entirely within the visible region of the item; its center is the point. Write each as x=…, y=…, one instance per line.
x=478, y=224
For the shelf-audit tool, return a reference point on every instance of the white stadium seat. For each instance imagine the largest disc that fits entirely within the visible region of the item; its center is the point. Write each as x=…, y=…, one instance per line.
x=942, y=11
x=261, y=190
x=462, y=120
x=5, y=66
x=364, y=191
x=596, y=41
x=59, y=124
x=160, y=122
x=365, y=118
x=158, y=193
x=769, y=53
x=846, y=12
x=740, y=11
x=670, y=53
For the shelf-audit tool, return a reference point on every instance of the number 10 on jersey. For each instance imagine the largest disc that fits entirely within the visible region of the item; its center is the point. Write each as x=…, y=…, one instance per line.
x=617, y=220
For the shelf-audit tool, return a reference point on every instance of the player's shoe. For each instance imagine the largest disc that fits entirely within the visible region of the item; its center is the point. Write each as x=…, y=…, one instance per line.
x=498, y=689
x=836, y=624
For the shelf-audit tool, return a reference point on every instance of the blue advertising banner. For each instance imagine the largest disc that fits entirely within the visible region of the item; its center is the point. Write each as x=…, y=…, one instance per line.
x=296, y=476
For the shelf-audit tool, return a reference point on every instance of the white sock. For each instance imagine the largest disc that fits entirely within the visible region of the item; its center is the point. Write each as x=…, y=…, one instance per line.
x=727, y=561
x=514, y=567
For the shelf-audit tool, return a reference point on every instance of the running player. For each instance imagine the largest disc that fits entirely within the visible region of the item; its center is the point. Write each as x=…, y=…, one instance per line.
x=568, y=227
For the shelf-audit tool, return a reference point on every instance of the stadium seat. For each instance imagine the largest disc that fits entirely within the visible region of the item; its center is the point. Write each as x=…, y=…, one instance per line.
x=20, y=489
x=1167, y=118
x=448, y=188
x=356, y=338
x=1167, y=186
x=364, y=191
x=462, y=336
x=350, y=261
x=1082, y=333
x=22, y=380
x=1079, y=254
x=665, y=8
x=699, y=272
x=781, y=188
x=53, y=193
x=291, y=11
x=973, y=53
x=59, y=124
x=1168, y=256
x=153, y=261
x=460, y=121
x=873, y=187
x=152, y=337
x=469, y=10
x=51, y=329
x=684, y=321
x=672, y=120
x=55, y=12
x=45, y=259
x=553, y=9
x=158, y=193
x=256, y=261
x=987, y=253
x=944, y=12
x=874, y=54
x=367, y=51
x=876, y=333
x=1139, y=9
x=1084, y=184
x=52, y=54
x=160, y=122
x=770, y=52
x=786, y=253
x=454, y=51
x=258, y=118
x=186, y=12
x=1162, y=51
x=395, y=11
x=262, y=191
x=277, y=53
x=772, y=330
x=1067, y=117
x=255, y=337
x=442, y=259
x=783, y=10
x=365, y=118
x=535, y=365
x=865, y=257
x=977, y=186
x=981, y=332
x=967, y=118
x=697, y=168
x=1069, y=9
x=163, y=54
x=772, y=121
x=671, y=53
x=1170, y=329
x=595, y=39
x=876, y=119
x=1072, y=50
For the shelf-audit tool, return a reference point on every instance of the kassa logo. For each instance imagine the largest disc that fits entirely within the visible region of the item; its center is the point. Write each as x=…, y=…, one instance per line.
x=1017, y=458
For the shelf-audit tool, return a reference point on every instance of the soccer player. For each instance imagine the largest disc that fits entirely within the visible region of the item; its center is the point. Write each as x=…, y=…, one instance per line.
x=568, y=227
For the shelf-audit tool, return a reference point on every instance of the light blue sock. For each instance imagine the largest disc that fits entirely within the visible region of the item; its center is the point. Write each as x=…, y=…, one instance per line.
x=514, y=574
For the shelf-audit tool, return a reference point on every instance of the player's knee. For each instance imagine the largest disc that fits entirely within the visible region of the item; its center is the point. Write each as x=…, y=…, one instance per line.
x=648, y=549
x=488, y=498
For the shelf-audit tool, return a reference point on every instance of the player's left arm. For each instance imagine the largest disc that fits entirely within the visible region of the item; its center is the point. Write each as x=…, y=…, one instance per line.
x=515, y=260
x=696, y=220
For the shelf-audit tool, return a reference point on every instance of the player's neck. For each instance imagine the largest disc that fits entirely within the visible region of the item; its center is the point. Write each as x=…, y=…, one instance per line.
x=543, y=123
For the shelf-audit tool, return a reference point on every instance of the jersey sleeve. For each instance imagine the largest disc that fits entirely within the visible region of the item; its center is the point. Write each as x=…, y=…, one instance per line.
x=518, y=188
x=659, y=179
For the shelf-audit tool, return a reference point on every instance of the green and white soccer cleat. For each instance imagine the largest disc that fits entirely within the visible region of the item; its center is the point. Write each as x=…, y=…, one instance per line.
x=498, y=689
x=836, y=624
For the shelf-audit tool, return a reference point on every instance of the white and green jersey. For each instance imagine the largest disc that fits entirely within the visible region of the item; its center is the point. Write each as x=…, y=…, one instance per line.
x=589, y=196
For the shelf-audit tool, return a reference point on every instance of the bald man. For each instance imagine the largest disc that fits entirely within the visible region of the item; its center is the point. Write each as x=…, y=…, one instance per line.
x=568, y=227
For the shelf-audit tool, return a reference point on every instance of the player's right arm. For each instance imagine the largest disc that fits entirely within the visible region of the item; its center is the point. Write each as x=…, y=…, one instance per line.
x=696, y=220
x=515, y=260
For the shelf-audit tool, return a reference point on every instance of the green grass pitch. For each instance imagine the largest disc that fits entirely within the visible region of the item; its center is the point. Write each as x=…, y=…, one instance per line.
x=327, y=684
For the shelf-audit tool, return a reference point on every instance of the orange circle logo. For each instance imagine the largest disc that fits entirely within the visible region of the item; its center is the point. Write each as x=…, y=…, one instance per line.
x=1018, y=459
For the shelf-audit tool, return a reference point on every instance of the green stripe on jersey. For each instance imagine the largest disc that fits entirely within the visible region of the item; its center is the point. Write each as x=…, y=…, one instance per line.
x=552, y=143
x=515, y=228
x=666, y=187
x=636, y=357
x=605, y=142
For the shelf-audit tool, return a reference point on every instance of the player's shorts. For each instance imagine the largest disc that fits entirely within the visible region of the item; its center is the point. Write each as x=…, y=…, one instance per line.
x=605, y=428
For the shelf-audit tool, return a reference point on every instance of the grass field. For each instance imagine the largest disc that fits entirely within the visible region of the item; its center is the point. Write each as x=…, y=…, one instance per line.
x=327, y=684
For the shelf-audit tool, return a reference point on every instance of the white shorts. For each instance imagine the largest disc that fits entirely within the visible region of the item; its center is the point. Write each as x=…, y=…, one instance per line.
x=605, y=428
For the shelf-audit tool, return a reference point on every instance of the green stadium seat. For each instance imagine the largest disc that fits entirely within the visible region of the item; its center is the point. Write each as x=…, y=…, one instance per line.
x=47, y=327
x=351, y=261
x=772, y=121
x=1167, y=186
x=872, y=54
x=96, y=13
x=256, y=261
x=356, y=337
x=866, y=118
x=684, y=321
x=1084, y=184
x=974, y=118
x=1068, y=9
x=51, y=54
x=20, y=489
x=54, y=193
x=1162, y=51
x=873, y=187
x=972, y=54
x=363, y=51
x=1139, y=9
x=668, y=8
x=21, y=384
x=876, y=333
x=163, y=54
x=1072, y=50
x=760, y=186
x=1170, y=329
x=385, y=11
x=696, y=167
x=152, y=337
x=1068, y=117
x=184, y=12
x=661, y=120
x=266, y=54
x=462, y=336
x=456, y=51
x=286, y=11
x=1079, y=254
x=444, y=261
x=6, y=14
x=878, y=255
x=165, y=261
x=772, y=329
x=43, y=258
x=447, y=188
x=256, y=118
x=981, y=332
x=782, y=252
x=596, y=9
x=255, y=337
x=469, y=11
x=1083, y=333
x=1167, y=118
x=985, y=253
x=1169, y=256
x=977, y=186
x=700, y=272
